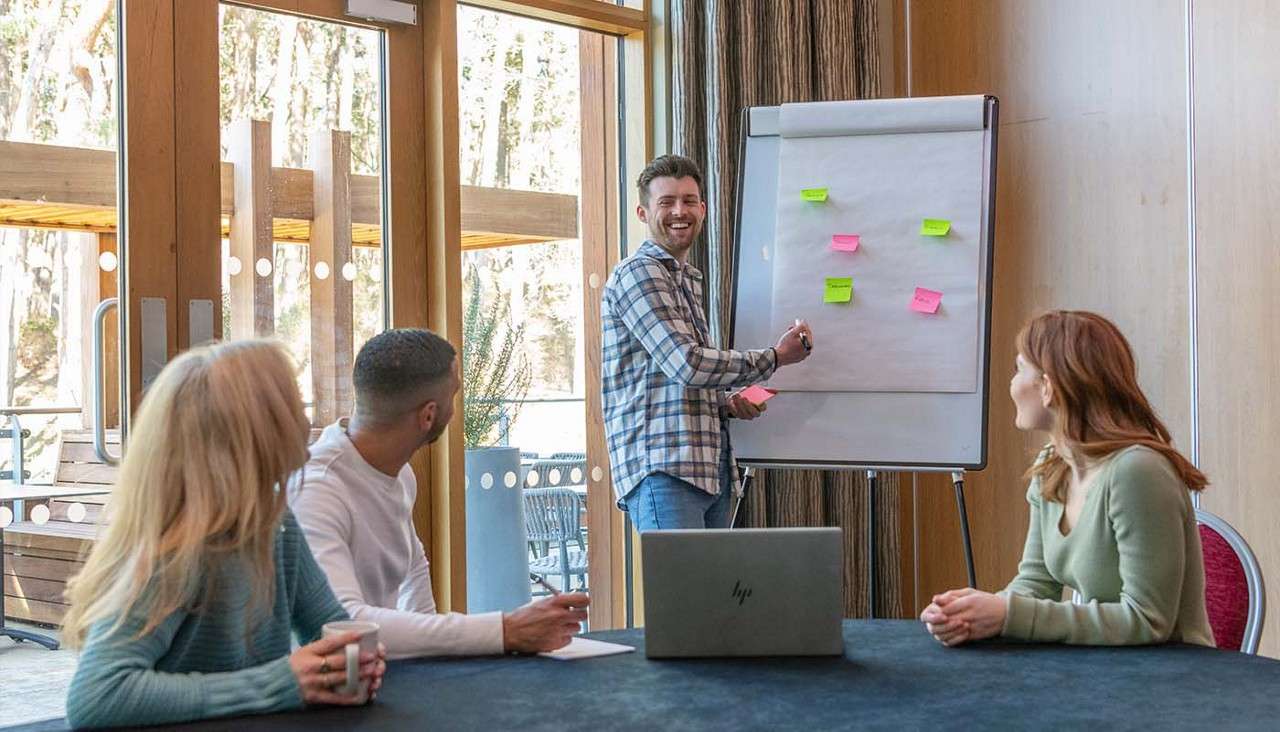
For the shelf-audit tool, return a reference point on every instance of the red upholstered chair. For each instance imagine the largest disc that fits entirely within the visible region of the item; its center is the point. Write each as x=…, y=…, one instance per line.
x=1233, y=590
x=1234, y=595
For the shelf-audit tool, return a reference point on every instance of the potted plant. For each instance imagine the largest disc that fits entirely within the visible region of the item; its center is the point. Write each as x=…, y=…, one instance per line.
x=495, y=379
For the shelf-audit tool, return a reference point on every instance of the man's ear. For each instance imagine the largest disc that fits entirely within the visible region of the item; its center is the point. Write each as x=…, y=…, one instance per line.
x=427, y=416
x=642, y=214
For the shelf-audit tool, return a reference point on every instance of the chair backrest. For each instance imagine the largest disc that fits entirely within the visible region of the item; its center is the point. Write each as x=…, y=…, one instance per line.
x=552, y=514
x=1233, y=588
x=554, y=473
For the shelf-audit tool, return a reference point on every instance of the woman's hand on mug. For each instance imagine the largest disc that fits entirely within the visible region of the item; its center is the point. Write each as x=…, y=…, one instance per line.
x=321, y=666
x=374, y=670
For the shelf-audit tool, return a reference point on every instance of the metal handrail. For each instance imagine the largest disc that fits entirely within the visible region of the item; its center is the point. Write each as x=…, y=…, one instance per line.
x=18, y=435
x=23, y=411
x=99, y=393
x=565, y=400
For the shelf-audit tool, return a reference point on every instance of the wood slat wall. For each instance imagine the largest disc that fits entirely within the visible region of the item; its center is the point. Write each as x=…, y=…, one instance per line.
x=1236, y=96
x=1091, y=213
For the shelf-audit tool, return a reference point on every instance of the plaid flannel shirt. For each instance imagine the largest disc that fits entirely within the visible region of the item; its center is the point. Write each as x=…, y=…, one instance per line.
x=664, y=385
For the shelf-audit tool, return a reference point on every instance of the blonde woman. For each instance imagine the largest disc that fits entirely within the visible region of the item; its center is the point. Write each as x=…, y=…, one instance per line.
x=185, y=606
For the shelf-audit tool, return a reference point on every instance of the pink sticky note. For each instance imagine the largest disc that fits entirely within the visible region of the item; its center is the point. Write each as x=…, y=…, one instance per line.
x=845, y=242
x=926, y=301
x=757, y=394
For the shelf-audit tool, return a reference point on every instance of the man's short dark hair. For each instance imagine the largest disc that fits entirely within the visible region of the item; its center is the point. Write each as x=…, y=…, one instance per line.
x=397, y=370
x=667, y=166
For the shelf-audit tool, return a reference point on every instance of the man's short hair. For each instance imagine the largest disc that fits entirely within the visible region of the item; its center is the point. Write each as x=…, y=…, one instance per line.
x=398, y=369
x=667, y=166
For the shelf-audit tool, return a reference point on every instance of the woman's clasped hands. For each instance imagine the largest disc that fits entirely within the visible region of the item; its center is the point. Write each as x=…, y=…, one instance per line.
x=963, y=615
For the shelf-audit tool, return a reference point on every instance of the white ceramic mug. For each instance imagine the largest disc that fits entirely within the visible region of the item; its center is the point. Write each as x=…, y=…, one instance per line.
x=368, y=642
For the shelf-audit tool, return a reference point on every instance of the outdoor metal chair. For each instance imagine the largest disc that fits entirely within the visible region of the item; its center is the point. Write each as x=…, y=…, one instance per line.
x=553, y=519
x=556, y=473
x=568, y=456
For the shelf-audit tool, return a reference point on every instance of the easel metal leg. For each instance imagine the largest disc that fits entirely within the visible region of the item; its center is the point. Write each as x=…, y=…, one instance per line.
x=871, y=543
x=748, y=475
x=957, y=479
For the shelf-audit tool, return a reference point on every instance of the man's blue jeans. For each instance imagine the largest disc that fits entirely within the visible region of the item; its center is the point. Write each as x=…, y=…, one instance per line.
x=663, y=501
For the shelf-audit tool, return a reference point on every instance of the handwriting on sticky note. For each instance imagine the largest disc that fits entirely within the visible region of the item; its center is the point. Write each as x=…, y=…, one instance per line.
x=757, y=394
x=813, y=195
x=838, y=289
x=935, y=227
x=845, y=242
x=926, y=301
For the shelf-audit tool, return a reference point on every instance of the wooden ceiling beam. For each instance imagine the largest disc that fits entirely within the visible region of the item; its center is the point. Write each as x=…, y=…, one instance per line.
x=84, y=178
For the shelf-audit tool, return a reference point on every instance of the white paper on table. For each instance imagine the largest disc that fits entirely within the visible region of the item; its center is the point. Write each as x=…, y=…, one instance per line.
x=881, y=187
x=581, y=647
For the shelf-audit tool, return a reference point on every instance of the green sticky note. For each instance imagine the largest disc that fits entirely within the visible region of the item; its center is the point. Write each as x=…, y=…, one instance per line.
x=839, y=289
x=935, y=227
x=815, y=195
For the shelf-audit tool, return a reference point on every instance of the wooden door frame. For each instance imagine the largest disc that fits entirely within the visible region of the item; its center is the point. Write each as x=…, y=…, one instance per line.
x=610, y=36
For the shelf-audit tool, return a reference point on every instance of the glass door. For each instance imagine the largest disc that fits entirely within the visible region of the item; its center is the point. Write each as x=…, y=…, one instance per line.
x=62, y=264
x=302, y=129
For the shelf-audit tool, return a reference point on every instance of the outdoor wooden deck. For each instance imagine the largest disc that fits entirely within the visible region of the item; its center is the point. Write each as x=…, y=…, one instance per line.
x=40, y=558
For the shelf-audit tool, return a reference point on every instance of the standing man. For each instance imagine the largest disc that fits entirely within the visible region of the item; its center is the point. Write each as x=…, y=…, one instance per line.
x=665, y=385
x=354, y=500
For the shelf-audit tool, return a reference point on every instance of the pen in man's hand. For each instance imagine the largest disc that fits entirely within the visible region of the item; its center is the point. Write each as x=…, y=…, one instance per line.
x=546, y=584
x=804, y=339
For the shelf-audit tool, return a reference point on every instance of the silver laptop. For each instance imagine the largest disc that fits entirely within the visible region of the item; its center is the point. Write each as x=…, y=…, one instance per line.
x=744, y=592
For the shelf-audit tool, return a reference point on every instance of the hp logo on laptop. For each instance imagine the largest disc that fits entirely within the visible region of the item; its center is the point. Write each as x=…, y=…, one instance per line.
x=741, y=593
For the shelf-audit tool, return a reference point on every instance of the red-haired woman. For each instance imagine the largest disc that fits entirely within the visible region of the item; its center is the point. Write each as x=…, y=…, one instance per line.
x=1110, y=512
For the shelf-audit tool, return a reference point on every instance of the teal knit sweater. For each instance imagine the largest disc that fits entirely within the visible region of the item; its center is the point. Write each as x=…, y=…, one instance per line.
x=203, y=664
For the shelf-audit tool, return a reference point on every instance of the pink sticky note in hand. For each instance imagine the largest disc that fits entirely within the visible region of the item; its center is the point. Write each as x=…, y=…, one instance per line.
x=757, y=394
x=926, y=301
x=845, y=242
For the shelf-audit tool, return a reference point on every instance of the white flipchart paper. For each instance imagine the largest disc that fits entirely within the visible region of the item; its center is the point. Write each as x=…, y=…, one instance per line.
x=881, y=187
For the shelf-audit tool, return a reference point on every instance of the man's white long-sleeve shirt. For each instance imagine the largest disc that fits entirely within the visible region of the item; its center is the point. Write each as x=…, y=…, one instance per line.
x=359, y=524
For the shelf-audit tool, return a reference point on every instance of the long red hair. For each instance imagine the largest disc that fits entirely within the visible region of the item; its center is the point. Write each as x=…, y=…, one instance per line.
x=1100, y=408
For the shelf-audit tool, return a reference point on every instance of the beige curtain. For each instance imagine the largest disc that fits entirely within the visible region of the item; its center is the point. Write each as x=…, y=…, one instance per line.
x=728, y=55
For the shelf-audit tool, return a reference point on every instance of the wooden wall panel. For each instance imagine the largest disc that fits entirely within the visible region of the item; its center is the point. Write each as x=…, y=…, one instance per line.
x=1091, y=214
x=1236, y=95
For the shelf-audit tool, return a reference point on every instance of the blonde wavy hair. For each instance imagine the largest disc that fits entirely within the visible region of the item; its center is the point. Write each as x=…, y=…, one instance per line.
x=215, y=440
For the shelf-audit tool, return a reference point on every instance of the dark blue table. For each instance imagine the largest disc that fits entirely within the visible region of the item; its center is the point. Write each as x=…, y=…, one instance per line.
x=893, y=675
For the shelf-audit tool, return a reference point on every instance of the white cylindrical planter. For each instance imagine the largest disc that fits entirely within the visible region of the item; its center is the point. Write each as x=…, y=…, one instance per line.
x=497, y=552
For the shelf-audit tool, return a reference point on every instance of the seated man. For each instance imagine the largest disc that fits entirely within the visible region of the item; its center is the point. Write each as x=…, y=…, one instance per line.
x=354, y=500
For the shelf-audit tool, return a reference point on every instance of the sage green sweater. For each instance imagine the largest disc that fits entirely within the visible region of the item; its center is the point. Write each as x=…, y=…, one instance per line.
x=1134, y=555
x=203, y=664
